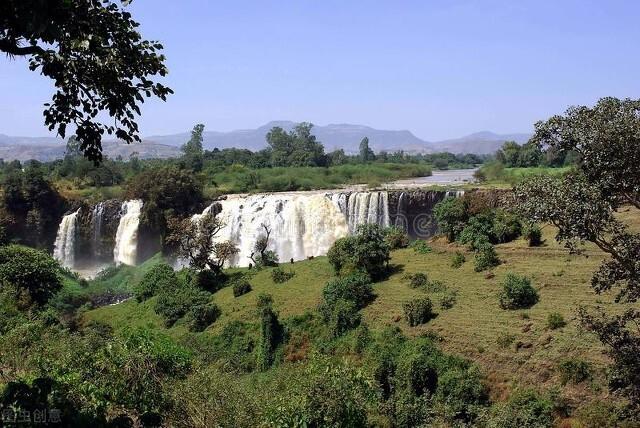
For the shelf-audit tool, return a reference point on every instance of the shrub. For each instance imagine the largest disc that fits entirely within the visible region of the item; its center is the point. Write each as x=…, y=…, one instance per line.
x=421, y=247
x=506, y=226
x=366, y=251
x=517, y=293
x=574, y=370
x=418, y=280
x=271, y=335
x=396, y=238
x=533, y=234
x=449, y=299
x=344, y=317
x=173, y=304
x=354, y=288
x=264, y=300
x=278, y=275
x=478, y=232
x=486, y=258
x=158, y=277
x=451, y=215
x=362, y=338
x=555, y=321
x=525, y=409
x=435, y=286
x=202, y=316
x=458, y=260
x=209, y=280
x=418, y=311
x=241, y=287
x=33, y=273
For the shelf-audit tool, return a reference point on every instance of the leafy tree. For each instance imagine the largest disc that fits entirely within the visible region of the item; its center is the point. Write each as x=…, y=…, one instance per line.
x=159, y=277
x=97, y=59
x=271, y=334
x=166, y=192
x=356, y=289
x=451, y=215
x=509, y=154
x=366, y=154
x=582, y=205
x=194, y=241
x=296, y=148
x=193, y=152
x=34, y=274
x=261, y=256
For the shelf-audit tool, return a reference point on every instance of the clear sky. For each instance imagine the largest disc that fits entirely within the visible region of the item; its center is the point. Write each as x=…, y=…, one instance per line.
x=441, y=69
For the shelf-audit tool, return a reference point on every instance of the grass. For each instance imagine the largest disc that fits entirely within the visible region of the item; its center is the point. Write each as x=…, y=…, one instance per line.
x=471, y=328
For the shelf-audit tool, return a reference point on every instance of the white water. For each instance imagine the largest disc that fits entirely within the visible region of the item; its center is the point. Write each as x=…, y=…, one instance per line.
x=364, y=208
x=96, y=224
x=65, y=245
x=301, y=225
x=126, y=248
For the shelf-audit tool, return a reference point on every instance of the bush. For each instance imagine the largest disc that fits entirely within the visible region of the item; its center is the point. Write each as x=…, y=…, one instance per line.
x=533, y=234
x=202, y=316
x=366, y=252
x=517, y=293
x=241, y=287
x=271, y=335
x=486, y=258
x=33, y=273
x=344, y=317
x=418, y=280
x=355, y=288
x=278, y=275
x=209, y=280
x=478, y=232
x=458, y=260
x=451, y=215
x=506, y=226
x=574, y=371
x=555, y=321
x=418, y=311
x=158, y=277
x=504, y=340
x=421, y=247
x=525, y=409
x=174, y=303
x=449, y=300
x=396, y=238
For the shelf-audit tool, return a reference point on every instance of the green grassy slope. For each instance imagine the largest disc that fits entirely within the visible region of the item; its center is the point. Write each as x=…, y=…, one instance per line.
x=471, y=328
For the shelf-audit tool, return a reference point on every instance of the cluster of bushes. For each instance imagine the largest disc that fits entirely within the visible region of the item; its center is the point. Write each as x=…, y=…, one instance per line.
x=179, y=297
x=421, y=281
x=418, y=311
x=279, y=275
x=367, y=251
x=342, y=298
x=421, y=247
x=396, y=238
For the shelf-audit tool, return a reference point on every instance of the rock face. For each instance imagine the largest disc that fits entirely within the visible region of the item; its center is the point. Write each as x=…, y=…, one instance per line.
x=98, y=226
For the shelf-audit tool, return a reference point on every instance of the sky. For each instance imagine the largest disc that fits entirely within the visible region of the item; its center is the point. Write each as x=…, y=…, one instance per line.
x=441, y=69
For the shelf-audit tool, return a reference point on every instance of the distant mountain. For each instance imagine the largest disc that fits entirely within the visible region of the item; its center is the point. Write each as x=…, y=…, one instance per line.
x=338, y=136
x=335, y=136
x=484, y=142
x=47, y=149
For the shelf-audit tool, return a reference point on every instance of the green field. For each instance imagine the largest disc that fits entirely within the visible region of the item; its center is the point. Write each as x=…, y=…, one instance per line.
x=472, y=328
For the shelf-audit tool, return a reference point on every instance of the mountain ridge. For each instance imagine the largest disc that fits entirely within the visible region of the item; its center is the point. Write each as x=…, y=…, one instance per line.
x=334, y=136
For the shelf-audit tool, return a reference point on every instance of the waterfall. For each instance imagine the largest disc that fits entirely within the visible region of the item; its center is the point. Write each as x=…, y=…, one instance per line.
x=126, y=248
x=302, y=225
x=65, y=245
x=97, y=215
x=365, y=208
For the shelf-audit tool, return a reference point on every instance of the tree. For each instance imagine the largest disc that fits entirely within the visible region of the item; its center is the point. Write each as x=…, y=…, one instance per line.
x=193, y=151
x=32, y=273
x=264, y=257
x=194, y=240
x=509, y=154
x=582, y=205
x=606, y=139
x=296, y=148
x=366, y=154
x=166, y=192
x=367, y=251
x=97, y=59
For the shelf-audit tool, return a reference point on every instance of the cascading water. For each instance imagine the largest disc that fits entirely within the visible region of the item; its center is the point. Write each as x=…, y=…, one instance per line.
x=365, y=208
x=301, y=225
x=65, y=245
x=126, y=247
x=97, y=215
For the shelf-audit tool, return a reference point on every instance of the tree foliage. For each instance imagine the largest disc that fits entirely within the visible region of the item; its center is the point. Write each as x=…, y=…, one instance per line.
x=97, y=59
x=367, y=251
x=296, y=148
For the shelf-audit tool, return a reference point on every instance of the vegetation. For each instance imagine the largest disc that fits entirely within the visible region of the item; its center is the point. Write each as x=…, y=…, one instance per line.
x=517, y=293
x=555, y=320
x=367, y=252
x=279, y=275
x=418, y=311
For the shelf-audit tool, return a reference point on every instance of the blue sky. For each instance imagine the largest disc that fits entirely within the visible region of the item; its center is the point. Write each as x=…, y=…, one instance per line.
x=441, y=69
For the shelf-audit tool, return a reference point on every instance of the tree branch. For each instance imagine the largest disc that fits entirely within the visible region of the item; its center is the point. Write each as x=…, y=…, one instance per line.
x=12, y=48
